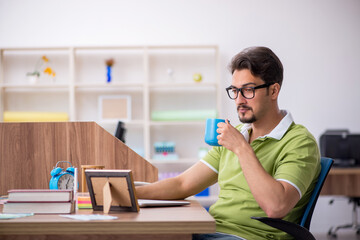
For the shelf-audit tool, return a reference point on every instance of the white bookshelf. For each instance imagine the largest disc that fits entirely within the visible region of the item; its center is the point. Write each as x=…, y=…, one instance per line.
x=142, y=72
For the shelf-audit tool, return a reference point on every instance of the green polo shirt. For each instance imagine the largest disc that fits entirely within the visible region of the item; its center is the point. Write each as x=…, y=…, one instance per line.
x=289, y=153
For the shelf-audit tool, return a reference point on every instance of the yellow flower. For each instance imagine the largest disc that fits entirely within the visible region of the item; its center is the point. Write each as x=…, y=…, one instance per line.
x=49, y=71
x=45, y=58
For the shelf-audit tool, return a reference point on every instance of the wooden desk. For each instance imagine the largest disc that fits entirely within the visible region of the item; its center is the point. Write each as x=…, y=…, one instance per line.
x=150, y=223
x=342, y=181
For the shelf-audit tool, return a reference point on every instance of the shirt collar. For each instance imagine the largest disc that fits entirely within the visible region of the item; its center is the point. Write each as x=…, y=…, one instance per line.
x=277, y=133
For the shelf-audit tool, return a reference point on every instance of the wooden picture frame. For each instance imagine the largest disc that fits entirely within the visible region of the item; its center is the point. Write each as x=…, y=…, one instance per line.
x=115, y=108
x=111, y=190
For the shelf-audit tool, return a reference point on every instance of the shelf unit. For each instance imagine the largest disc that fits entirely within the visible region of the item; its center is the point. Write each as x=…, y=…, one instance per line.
x=141, y=72
x=158, y=78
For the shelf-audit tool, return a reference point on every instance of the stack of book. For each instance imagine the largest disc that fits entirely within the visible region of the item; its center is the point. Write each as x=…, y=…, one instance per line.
x=39, y=201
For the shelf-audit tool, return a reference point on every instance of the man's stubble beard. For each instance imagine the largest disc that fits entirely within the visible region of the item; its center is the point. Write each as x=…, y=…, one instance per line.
x=252, y=119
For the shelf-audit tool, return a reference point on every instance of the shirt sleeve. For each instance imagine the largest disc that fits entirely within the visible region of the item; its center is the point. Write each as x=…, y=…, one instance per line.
x=212, y=159
x=299, y=163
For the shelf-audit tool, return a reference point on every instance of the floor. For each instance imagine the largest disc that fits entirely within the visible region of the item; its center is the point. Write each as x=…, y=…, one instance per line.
x=341, y=235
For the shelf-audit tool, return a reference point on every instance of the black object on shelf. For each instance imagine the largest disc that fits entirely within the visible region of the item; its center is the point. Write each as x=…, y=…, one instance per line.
x=120, y=131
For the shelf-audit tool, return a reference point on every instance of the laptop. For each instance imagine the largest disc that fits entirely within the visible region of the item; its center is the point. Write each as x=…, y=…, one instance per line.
x=161, y=203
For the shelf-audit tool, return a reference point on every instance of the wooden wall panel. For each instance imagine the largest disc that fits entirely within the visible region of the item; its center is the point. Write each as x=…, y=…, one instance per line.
x=29, y=151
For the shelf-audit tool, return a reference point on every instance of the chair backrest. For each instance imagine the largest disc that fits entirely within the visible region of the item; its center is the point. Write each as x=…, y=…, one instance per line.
x=326, y=164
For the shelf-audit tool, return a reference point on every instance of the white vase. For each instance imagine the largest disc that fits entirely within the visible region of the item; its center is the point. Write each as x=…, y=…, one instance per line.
x=33, y=79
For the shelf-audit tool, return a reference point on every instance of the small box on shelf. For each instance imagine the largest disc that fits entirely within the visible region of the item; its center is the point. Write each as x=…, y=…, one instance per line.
x=165, y=151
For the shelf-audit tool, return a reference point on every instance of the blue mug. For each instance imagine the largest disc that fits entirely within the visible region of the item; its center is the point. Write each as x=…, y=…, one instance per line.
x=210, y=131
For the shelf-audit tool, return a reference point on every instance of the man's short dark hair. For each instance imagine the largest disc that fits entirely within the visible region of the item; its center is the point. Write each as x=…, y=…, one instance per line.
x=261, y=62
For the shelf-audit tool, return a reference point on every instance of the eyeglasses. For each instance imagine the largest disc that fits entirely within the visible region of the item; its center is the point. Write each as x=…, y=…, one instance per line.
x=246, y=92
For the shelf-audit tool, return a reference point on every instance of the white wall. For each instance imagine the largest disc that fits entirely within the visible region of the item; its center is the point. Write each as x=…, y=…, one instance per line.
x=317, y=41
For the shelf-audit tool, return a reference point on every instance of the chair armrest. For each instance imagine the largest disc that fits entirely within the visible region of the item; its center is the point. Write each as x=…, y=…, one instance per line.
x=295, y=230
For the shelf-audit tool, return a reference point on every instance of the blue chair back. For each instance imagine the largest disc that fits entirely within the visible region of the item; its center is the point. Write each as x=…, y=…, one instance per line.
x=326, y=164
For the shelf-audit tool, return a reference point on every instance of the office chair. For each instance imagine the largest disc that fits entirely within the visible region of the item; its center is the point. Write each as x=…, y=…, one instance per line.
x=354, y=224
x=301, y=231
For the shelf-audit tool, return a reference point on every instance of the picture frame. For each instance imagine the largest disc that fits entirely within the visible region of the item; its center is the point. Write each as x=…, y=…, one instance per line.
x=114, y=108
x=111, y=190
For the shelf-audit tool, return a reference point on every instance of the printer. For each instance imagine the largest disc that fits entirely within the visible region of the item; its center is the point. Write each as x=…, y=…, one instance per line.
x=342, y=146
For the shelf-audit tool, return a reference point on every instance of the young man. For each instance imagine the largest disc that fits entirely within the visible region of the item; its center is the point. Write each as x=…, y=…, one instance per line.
x=267, y=166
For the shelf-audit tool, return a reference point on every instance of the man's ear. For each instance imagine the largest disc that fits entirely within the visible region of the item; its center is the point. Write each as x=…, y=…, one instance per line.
x=275, y=90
